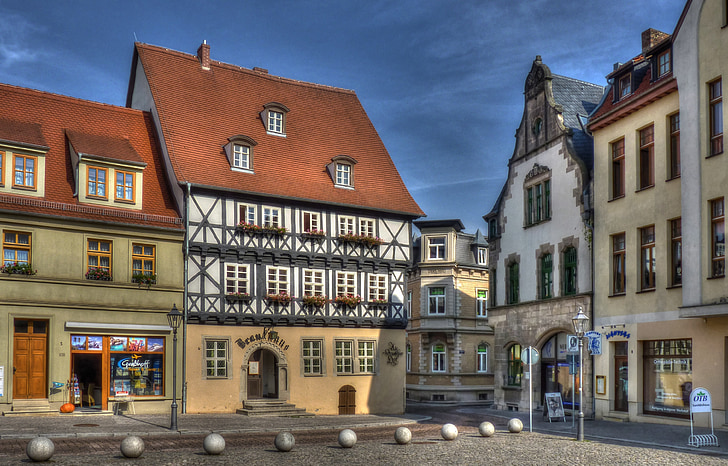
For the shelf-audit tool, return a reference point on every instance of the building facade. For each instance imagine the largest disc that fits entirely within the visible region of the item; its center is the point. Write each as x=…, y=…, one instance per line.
x=92, y=257
x=540, y=241
x=299, y=237
x=449, y=341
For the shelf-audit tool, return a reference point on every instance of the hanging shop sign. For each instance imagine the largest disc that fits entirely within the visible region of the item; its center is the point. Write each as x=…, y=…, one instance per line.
x=595, y=342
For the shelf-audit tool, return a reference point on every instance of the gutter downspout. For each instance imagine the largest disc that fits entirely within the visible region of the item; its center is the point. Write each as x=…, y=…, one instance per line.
x=184, y=304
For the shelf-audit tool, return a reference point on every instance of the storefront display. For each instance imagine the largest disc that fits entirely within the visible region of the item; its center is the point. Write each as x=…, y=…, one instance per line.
x=668, y=377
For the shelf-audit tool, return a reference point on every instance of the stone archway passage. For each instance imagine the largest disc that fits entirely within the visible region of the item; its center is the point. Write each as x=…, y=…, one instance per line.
x=347, y=400
x=264, y=372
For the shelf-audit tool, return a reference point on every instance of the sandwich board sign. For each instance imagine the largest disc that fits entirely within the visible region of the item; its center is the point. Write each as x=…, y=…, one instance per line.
x=700, y=402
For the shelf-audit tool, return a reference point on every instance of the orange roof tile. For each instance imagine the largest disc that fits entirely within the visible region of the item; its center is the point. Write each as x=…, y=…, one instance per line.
x=200, y=109
x=43, y=119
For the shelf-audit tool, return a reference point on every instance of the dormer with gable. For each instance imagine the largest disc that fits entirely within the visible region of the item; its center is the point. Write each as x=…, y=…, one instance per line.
x=22, y=158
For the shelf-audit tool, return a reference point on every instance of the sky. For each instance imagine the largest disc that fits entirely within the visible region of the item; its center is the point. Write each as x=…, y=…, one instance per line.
x=441, y=80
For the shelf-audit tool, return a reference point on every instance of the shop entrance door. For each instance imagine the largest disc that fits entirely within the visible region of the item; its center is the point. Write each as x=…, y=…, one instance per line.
x=89, y=371
x=621, y=377
x=30, y=359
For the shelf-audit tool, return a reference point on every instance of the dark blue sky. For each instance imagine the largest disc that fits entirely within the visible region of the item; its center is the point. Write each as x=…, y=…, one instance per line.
x=441, y=80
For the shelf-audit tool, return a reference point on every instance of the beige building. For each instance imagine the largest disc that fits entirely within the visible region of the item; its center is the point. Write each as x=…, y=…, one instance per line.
x=449, y=340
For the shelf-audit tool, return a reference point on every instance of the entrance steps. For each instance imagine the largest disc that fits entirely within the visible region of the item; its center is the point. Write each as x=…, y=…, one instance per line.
x=32, y=407
x=272, y=408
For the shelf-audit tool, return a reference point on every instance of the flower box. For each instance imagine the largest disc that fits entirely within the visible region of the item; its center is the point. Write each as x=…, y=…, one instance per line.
x=264, y=230
x=316, y=235
x=366, y=240
x=17, y=268
x=238, y=297
x=314, y=301
x=280, y=298
x=95, y=273
x=349, y=300
x=144, y=279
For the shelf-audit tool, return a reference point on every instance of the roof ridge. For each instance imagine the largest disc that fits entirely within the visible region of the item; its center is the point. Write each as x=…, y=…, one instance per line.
x=252, y=72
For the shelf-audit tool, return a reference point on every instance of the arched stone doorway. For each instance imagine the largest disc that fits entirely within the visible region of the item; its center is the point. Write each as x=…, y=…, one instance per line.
x=264, y=373
x=555, y=377
x=347, y=400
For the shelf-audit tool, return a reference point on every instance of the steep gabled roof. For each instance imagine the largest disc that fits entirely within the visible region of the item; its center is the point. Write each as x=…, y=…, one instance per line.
x=46, y=121
x=199, y=109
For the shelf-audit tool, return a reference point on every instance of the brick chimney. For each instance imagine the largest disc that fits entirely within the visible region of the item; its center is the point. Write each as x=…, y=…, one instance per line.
x=203, y=54
x=652, y=37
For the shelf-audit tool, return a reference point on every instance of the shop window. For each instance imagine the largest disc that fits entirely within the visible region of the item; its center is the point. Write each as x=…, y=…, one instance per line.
x=216, y=358
x=668, y=377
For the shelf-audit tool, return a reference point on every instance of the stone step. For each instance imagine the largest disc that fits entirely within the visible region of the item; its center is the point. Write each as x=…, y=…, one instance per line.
x=271, y=408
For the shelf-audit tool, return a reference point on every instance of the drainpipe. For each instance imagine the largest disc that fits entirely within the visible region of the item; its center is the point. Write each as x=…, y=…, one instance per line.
x=184, y=304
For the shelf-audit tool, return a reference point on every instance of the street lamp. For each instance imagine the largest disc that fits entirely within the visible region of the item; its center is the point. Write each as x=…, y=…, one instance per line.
x=174, y=317
x=580, y=322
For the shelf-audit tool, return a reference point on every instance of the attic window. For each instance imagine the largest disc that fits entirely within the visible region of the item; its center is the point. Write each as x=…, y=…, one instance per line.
x=274, y=118
x=239, y=151
x=663, y=63
x=625, y=85
x=341, y=170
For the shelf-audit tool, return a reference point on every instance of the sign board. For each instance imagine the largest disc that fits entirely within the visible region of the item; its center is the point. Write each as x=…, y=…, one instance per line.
x=700, y=401
x=572, y=344
x=595, y=342
x=554, y=406
x=529, y=357
x=573, y=360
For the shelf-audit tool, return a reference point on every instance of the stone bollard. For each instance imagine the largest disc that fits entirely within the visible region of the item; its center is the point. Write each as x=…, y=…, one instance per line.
x=40, y=449
x=402, y=435
x=347, y=438
x=214, y=444
x=132, y=446
x=515, y=426
x=449, y=432
x=486, y=429
x=285, y=441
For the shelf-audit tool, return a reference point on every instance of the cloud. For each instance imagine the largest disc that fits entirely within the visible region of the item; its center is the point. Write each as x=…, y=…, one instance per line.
x=15, y=47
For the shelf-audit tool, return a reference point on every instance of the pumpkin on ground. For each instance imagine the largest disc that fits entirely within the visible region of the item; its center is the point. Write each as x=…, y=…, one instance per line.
x=68, y=408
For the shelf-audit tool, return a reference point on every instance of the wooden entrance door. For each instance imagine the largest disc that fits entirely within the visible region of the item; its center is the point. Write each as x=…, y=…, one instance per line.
x=255, y=385
x=621, y=377
x=347, y=400
x=30, y=342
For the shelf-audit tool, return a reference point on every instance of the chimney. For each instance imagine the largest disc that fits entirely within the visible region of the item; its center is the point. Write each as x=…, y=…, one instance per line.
x=203, y=54
x=652, y=37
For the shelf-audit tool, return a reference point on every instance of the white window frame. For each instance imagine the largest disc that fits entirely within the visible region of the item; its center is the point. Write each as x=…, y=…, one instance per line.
x=313, y=219
x=344, y=356
x=438, y=298
x=246, y=213
x=277, y=280
x=345, y=283
x=482, y=358
x=237, y=278
x=482, y=256
x=271, y=217
x=309, y=348
x=346, y=225
x=481, y=303
x=366, y=351
x=219, y=344
x=275, y=122
x=439, y=358
x=344, y=174
x=241, y=156
x=408, y=350
x=378, y=287
x=366, y=227
x=436, y=250
x=313, y=282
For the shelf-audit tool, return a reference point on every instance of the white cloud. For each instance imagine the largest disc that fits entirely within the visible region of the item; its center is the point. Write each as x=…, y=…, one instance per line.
x=15, y=47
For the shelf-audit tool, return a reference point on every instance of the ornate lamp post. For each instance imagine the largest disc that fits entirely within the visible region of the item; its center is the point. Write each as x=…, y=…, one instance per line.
x=580, y=322
x=174, y=317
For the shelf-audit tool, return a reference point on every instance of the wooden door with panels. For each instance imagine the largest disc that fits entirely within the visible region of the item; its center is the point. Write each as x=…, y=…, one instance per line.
x=30, y=359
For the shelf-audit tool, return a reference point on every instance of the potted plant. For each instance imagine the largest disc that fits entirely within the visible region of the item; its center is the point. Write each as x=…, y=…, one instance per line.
x=348, y=300
x=255, y=229
x=144, y=279
x=19, y=268
x=97, y=273
x=315, y=300
x=361, y=239
x=282, y=298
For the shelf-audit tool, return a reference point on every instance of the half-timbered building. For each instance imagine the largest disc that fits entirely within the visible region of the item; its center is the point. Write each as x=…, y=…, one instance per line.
x=299, y=237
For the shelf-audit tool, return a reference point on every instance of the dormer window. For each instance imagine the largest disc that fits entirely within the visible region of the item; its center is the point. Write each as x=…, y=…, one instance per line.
x=25, y=169
x=436, y=247
x=274, y=118
x=96, y=186
x=239, y=151
x=343, y=174
x=341, y=170
x=124, y=186
x=625, y=85
x=663, y=63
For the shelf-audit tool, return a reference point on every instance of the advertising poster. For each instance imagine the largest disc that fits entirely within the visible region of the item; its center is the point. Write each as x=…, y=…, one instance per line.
x=155, y=345
x=95, y=343
x=117, y=343
x=78, y=342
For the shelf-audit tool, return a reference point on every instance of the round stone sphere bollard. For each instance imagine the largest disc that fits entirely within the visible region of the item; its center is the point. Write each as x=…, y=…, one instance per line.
x=515, y=426
x=214, y=444
x=40, y=449
x=402, y=435
x=285, y=441
x=449, y=432
x=132, y=446
x=347, y=438
x=486, y=429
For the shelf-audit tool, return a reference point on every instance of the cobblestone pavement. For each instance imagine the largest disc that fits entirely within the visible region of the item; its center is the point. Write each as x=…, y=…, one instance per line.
x=316, y=441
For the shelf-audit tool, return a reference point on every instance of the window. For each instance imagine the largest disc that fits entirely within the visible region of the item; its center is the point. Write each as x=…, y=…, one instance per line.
x=241, y=156
x=482, y=358
x=99, y=256
x=481, y=303
x=618, y=257
x=618, y=169
x=96, y=182
x=312, y=357
x=717, y=221
x=343, y=174
x=538, y=202
x=667, y=377
x=546, y=275
x=716, y=117
x=366, y=357
x=16, y=248
x=277, y=280
x=313, y=282
x=143, y=259
x=647, y=248
x=663, y=63
x=275, y=122
x=408, y=365
x=492, y=228
x=570, y=259
x=515, y=369
x=2, y=168
x=647, y=140
x=436, y=247
x=378, y=288
x=345, y=283
x=409, y=304
x=344, y=356
x=216, y=359
x=482, y=256
x=625, y=86
x=25, y=167
x=674, y=146
x=247, y=214
x=676, y=252
x=438, y=357
x=346, y=225
x=271, y=217
x=124, y=186
x=436, y=300
x=366, y=227
x=311, y=222
x=237, y=278
x=513, y=283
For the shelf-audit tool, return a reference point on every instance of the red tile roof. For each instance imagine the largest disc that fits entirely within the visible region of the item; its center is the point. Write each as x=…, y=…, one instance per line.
x=200, y=109
x=44, y=119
